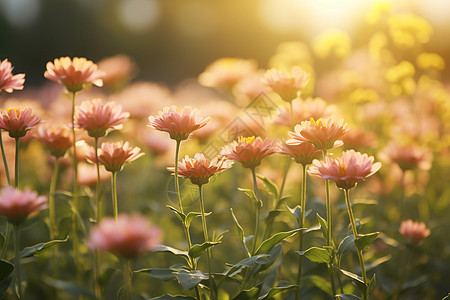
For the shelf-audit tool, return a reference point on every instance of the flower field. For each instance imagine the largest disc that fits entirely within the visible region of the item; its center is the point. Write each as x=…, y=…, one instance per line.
x=320, y=174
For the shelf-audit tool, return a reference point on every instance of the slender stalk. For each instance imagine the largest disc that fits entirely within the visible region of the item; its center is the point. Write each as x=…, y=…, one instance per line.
x=127, y=275
x=16, y=255
x=402, y=194
x=5, y=162
x=205, y=233
x=6, y=241
x=114, y=195
x=16, y=165
x=302, y=223
x=97, y=288
x=291, y=106
x=403, y=272
x=355, y=233
x=258, y=211
x=52, y=213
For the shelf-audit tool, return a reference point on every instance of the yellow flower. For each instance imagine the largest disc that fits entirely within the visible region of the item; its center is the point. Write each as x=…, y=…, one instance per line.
x=408, y=30
x=333, y=42
x=380, y=8
x=430, y=61
x=361, y=95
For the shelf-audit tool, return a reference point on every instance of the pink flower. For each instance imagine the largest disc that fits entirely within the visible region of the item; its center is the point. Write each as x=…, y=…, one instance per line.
x=16, y=205
x=129, y=236
x=408, y=157
x=18, y=121
x=58, y=139
x=199, y=169
x=347, y=171
x=118, y=70
x=249, y=151
x=178, y=122
x=74, y=74
x=323, y=134
x=286, y=84
x=97, y=118
x=8, y=81
x=315, y=108
x=303, y=153
x=414, y=231
x=114, y=155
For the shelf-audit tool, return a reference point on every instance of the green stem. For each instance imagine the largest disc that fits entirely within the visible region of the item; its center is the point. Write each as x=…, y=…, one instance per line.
x=5, y=161
x=16, y=165
x=205, y=233
x=258, y=205
x=127, y=276
x=292, y=115
x=6, y=241
x=52, y=213
x=114, y=195
x=16, y=254
x=302, y=224
x=97, y=288
x=355, y=234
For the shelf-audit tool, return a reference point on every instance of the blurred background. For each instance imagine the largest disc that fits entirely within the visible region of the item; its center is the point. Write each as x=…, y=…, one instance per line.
x=174, y=40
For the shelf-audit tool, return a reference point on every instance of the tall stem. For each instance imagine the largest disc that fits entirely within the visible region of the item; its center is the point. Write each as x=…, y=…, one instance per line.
x=258, y=210
x=5, y=161
x=355, y=234
x=114, y=195
x=127, y=275
x=302, y=223
x=52, y=213
x=97, y=288
x=16, y=255
x=16, y=165
x=205, y=233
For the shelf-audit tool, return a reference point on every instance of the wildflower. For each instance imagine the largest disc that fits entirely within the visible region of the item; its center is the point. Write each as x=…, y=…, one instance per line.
x=414, y=231
x=408, y=30
x=323, y=134
x=333, y=42
x=114, y=155
x=315, y=108
x=347, y=171
x=129, y=236
x=57, y=138
x=224, y=73
x=407, y=157
x=286, y=84
x=199, y=169
x=16, y=205
x=178, y=122
x=118, y=70
x=18, y=121
x=8, y=81
x=249, y=151
x=97, y=118
x=74, y=74
x=303, y=153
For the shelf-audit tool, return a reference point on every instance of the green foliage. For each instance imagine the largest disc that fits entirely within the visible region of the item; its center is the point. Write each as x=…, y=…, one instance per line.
x=364, y=241
x=317, y=255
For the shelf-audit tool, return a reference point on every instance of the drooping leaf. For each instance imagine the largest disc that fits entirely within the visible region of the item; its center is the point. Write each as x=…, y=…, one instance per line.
x=39, y=248
x=198, y=249
x=158, y=273
x=189, y=279
x=281, y=287
x=176, y=252
x=347, y=297
x=250, y=294
x=240, y=232
x=320, y=283
x=272, y=215
x=251, y=262
x=356, y=279
x=317, y=255
x=6, y=268
x=347, y=244
x=270, y=186
x=251, y=195
x=313, y=228
x=323, y=226
x=268, y=244
x=192, y=215
x=297, y=213
x=364, y=241
x=179, y=214
x=372, y=284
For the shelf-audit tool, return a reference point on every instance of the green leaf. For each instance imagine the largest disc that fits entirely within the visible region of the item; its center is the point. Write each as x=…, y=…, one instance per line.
x=348, y=297
x=347, y=244
x=176, y=252
x=320, y=283
x=251, y=195
x=159, y=273
x=323, y=226
x=314, y=228
x=39, y=248
x=70, y=288
x=356, y=279
x=317, y=255
x=179, y=214
x=170, y=297
x=219, y=237
x=251, y=262
x=250, y=294
x=240, y=232
x=189, y=279
x=270, y=186
x=191, y=216
x=372, y=283
x=364, y=241
x=197, y=250
x=268, y=244
x=297, y=213
x=281, y=287
x=6, y=268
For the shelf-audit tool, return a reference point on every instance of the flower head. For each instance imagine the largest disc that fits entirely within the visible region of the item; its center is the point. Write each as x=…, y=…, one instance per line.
x=58, y=139
x=346, y=171
x=315, y=108
x=323, y=134
x=199, y=169
x=286, y=84
x=303, y=153
x=97, y=118
x=178, y=122
x=114, y=155
x=407, y=157
x=129, y=236
x=16, y=205
x=249, y=151
x=18, y=121
x=414, y=231
x=74, y=74
x=8, y=81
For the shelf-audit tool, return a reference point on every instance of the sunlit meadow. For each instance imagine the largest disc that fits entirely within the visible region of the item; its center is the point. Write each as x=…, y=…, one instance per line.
x=320, y=174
